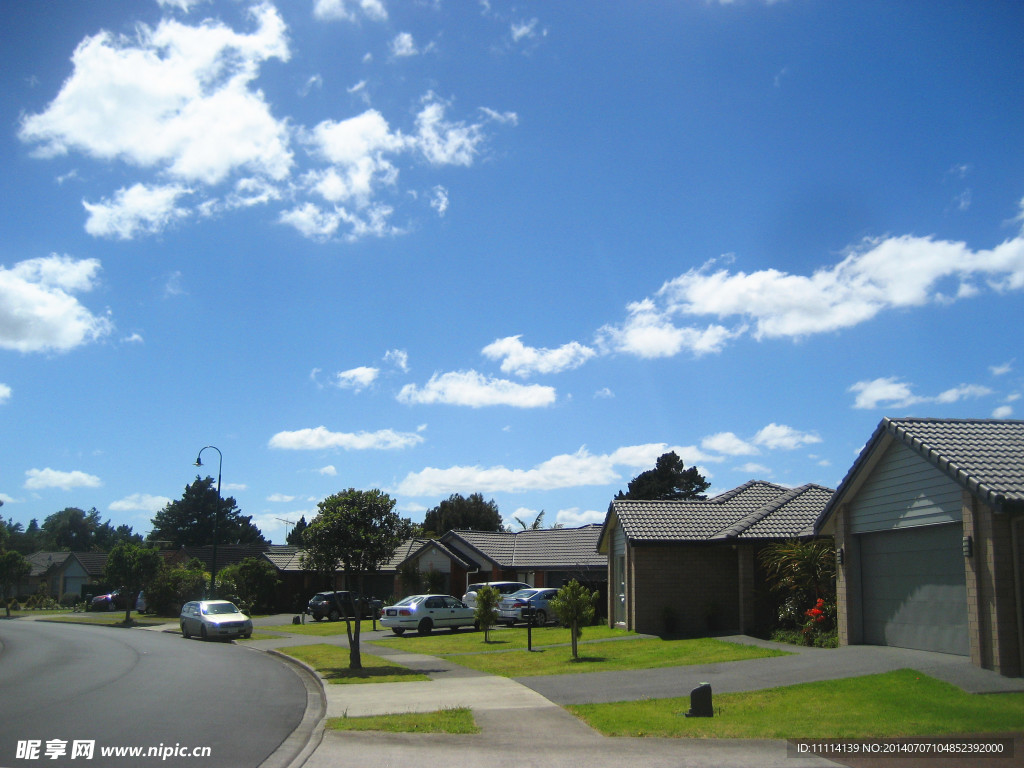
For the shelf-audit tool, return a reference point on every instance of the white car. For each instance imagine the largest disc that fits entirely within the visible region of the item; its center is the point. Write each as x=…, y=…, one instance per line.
x=425, y=613
x=214, y=618
x=503, y=587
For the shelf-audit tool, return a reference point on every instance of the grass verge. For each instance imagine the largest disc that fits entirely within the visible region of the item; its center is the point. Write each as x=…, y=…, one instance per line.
x=113, y=619
x=443, y=721
x=319, y=628
x=501, y=639
x=331, y=663
x=900, y=703
x=641, y=653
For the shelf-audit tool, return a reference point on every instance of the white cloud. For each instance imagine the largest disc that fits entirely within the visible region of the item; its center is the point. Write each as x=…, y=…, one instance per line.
x=176, y=98
x=439, y=199
x=574, y=517
x=39, y=479
x=329, y=471
x=137, y=210
x=516, y=358
x=757, y=470
x=312, y=221
x=776, y=436
x=349, y=10
x=357, y=378
x=403, y=45
x=650, y=333
x=565, y=471
x=729, y=444
x=5, y=393
x=524, y=29
x=475, y=390
x=893, y=393
x=280, y=498
x=443, y=142
x=38, y=312
x=140, y=502
x=398, y=358
x=1001, y=370
x=1003, y=412
x=320, y=438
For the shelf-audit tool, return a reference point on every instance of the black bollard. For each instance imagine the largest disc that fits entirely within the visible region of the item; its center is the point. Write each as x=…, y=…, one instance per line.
x=700, y=701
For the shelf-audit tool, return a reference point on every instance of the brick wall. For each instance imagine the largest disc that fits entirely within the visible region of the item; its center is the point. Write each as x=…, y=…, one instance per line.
x=684, y=589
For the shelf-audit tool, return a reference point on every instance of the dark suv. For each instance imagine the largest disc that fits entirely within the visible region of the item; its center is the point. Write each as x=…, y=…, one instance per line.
x=337, y=605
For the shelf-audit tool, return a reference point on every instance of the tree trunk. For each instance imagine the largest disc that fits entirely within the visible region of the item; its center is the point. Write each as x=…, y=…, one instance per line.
x=575, y=648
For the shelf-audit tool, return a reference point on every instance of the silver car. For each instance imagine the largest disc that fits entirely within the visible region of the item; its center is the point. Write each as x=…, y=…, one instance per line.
x=503, y=587
x=425, y=613
x=214, y=618
x=517, y=606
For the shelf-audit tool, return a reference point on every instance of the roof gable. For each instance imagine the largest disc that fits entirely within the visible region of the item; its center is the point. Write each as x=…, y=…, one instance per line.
x=754, y=510
x=545, y=548
x=984, y=456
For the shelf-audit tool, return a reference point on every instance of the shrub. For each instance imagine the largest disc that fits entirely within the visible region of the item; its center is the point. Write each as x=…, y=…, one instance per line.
x=69, y=599
x=486, y=612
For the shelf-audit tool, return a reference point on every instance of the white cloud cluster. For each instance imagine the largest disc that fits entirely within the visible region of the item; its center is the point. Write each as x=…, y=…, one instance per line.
x=521, y=360
x=891, y=392
x=40, y=479
x=772, y=437
x=180, y=103
x=320, y=438
x=38, y=309
x=473, y=389
x=5, y=393
x=357, y=379
x=140, y=502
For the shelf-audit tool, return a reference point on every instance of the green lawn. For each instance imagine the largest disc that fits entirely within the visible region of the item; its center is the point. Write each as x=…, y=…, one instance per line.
x=319, y=628
x=107, y=619
x=472, y=641
x=642, y=653
x=331, y=662
x=900, y=703
x=443, y=721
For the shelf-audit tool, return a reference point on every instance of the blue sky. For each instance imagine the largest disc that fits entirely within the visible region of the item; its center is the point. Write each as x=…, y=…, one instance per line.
x=520, y=249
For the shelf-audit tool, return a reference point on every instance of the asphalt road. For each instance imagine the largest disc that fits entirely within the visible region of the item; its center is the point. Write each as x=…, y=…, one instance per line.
x=132, y=688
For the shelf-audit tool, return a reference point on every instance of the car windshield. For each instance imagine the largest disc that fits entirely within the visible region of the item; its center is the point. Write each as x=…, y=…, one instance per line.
x=410, y=600
x=215, y=608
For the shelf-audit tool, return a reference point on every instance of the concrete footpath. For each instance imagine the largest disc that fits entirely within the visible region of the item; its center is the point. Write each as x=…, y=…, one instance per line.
x=523, y=723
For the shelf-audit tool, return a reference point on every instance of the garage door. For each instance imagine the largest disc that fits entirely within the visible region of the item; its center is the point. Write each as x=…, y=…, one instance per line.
x=914, y=589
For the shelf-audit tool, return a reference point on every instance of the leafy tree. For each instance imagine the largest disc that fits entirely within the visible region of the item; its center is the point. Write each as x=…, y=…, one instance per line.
x=74, y=530
x=255, y=581
x=574, y=605
x=669, y=480
x=803, y=572
x=536, y=525
x=13, y=568
x=358, y=531
x=486, y=611
x=189, y=521
x=295, y=534
x=131, y=567
x=460, y=513
x=176, y=585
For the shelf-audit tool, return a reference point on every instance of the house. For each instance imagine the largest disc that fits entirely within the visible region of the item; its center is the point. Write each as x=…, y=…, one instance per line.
x=927, y=525
x=427, y=556
x=58, y=573
x=690, y=567
x=546, y=557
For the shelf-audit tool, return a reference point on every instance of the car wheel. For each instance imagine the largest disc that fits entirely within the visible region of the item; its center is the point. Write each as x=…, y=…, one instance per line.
x=202, y=631
x=398, y=630
x=184, y=631
x=542, y=618
x=334, y=615
x=425, y=626
x=247, y=635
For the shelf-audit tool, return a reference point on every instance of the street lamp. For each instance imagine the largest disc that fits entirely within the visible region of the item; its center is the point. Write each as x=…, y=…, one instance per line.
x=216, y=515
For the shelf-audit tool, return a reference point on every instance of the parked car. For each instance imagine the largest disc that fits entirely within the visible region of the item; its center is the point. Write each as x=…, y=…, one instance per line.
x=140, y=603
x=503, y=587
x=425, y=613
x=519, y=605
x=214, y=618
x=108, y=602
x=338, y=605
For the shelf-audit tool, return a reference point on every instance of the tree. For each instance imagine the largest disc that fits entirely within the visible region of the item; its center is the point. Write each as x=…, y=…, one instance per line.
x=574, y=605
x=175, y=586
x=669, y=480
x=189, y=521
x=536, y=525
x=13, y=568
x=358, y=531
x=486, y=611
x=460, y=513
x=294, y=536
x=131, y=567
x=255, y=581
x=803, y=571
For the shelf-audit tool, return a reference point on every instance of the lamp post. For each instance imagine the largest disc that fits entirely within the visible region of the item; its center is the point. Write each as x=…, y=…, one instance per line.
x=216, y=515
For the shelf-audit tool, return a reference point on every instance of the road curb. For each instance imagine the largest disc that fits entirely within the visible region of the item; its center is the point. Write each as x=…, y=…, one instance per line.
x=306, y=738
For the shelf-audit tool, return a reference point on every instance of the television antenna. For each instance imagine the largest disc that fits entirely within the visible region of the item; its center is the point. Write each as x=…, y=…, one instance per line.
x=286, y=524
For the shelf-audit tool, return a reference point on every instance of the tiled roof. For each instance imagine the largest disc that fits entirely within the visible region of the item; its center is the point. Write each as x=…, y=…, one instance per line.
x=92, y=562
x=288, y=558
x=542, y=549
x=985, y=456
x=43, y=561
x=754, y=510
x=283, y=557
x=227, y=554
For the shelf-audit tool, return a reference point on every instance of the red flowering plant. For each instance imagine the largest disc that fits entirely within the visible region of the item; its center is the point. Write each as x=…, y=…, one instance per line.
x=818, y=626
